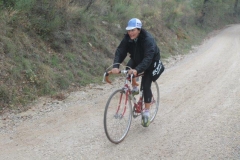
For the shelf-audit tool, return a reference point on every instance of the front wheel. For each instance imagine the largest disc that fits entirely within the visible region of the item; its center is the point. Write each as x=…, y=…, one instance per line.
x=117, y=116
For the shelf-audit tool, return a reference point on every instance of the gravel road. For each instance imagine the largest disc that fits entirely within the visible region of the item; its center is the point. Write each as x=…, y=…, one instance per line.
x=199, y=115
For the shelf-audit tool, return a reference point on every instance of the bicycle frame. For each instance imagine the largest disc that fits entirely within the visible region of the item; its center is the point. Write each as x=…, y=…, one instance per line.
x=137, y=105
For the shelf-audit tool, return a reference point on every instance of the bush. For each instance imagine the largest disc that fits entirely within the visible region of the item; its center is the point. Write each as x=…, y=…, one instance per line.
x=46, y=46
x=4, y=96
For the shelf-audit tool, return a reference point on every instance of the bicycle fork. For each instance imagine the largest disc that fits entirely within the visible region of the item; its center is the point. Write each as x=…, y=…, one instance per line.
x=120, y=115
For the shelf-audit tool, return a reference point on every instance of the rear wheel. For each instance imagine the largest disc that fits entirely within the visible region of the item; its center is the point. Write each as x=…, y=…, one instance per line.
x=117, y=116
x=155, y=101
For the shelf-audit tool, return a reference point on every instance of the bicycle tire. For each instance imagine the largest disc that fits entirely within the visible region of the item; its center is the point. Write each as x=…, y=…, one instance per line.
x=117, y=124
x=155, y=101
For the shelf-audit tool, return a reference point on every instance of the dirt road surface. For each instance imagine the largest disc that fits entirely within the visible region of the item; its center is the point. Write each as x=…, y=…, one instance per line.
x=199, y=115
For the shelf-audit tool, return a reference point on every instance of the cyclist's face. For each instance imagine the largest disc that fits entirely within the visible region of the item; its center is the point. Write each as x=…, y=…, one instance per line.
x=133, y=33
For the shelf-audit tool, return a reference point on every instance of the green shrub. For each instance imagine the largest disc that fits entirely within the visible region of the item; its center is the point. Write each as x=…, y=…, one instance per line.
x=7, y=3
x=54, y=60
x=62, y=81
x=4, y=95
x=46, y=88
x=70, y=57
x=25, y=5
x=9, y=47
x=46, y=18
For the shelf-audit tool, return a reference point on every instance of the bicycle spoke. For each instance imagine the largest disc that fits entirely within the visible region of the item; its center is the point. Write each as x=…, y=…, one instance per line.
x=117, y=117
x=155, y=101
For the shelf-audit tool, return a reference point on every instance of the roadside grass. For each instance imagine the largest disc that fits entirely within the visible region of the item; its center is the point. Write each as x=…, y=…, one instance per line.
x=71, y=46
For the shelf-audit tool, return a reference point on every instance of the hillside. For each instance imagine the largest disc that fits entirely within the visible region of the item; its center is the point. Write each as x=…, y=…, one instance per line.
x=50, y=48
x=198, y=116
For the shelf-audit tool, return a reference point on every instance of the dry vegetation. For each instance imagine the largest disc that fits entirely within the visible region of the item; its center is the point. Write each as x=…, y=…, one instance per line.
x=54, y=46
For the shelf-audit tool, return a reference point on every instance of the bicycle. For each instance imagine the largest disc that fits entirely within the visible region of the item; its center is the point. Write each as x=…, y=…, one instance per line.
x=122, y=106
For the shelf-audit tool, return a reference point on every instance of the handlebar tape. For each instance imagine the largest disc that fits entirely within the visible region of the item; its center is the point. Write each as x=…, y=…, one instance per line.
x=134, y=82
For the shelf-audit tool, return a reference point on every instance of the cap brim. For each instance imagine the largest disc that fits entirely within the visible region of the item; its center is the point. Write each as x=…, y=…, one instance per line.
x=130, y=28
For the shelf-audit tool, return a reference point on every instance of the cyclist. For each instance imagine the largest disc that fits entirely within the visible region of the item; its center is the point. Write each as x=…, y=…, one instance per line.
x=144, y=57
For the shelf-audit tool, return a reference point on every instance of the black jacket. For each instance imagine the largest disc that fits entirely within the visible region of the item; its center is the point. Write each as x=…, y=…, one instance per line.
x=143, y=52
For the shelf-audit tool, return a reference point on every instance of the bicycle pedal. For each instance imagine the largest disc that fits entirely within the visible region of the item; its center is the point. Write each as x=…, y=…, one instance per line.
x=135, y=115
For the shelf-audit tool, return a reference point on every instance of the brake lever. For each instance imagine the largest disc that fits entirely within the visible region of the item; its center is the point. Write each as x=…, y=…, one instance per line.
x=131, y=77
x=133, y=80
x=105, y=77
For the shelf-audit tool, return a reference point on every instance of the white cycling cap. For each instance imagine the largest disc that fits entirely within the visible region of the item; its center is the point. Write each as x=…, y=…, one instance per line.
x=134, y=23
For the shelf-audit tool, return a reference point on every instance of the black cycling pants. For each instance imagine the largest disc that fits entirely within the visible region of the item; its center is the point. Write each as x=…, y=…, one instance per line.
x=146, y=82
